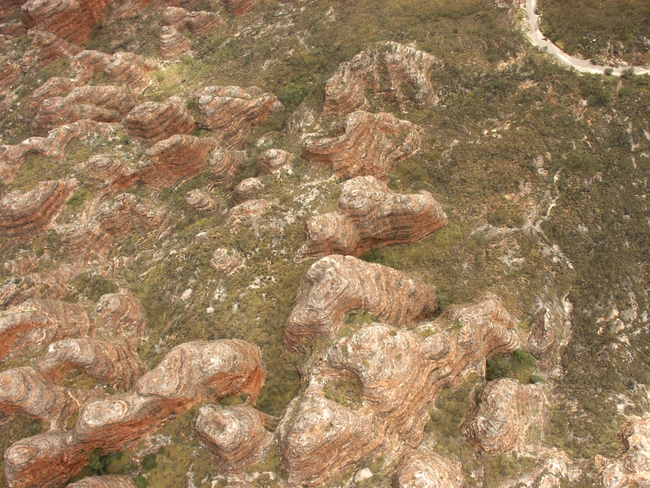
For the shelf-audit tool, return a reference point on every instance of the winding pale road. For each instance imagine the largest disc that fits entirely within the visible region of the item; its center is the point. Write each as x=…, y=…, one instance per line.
x=581, y=65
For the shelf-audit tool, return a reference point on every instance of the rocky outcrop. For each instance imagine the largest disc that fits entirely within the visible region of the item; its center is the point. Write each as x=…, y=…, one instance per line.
x=107, y=174
x=247, y=190
x=24, y=215
x=232, y=113
x=632, y=467
x=154, y=121
x=225, y=261
x=52, y=284
x=249, y=210
x=371, y=215
x=9, y=75
x=54, y=87
x=224, y=165
x=128, y=68
x=72, y=20
x=98, y=103
x=398, y=374
x=189, y=373
x=336, y=285
x=238, y=7
x=204, y=202
x=419, y=470
x=504, y=413
x=122, y=316
x=385, y=68
x=274, y=160
x=53, y=147
x=370, y=144
x=24, y=391
x=172, y=43
x=35, y=324
x=52, y=47
x=198, y=23
x=104, y=482
x=235, y=435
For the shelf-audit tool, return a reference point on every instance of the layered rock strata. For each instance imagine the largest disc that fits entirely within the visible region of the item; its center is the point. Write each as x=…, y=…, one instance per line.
x=122, y=316
x=203, y=202
x=72, y=20
x=274, y=160
x=24, y=215
x=52, y=284
x=105, y=482
x=632, y=467
x=419, y=470
x=238, y=7
x=224, y=166
x=172, y=43
x=336, y=285
x=247, y=189
x=370, y=144
x=35, y=324
x=189, y=373
x=399, y=373
x=198, y=23
x=129, y=68
x=371, y=215
x=232, y=113
x=234, y=435
x=384, y=68
x=154, y=121
x=503, y=415
x=225, y=261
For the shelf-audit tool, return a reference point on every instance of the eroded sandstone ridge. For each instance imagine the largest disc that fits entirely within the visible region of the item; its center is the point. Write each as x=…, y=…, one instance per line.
x=384, y=68
x=188, y=374
x=154, y=121
x=419, y=470
x=369, y=144
x=172, y=43
x=399, y=373
x=234, y=435
x=632, y=467
x=104, y=482
x=274, y=160
x=504, y=415
x=336, y=285
x=204, y=202
x=238, y=7
x=232, y=112
x=371, y=215
x=24, y=215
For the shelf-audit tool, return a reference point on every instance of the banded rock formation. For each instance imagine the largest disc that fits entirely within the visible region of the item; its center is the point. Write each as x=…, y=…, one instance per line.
x=51, y=285
x=72, y=20
x=107, y=174
x=383, y=68
x=51, y=47
x=121, y=315
x=24, y=215
x=189, y=373
x=399, y=373
x=274, y=160
x=371, y=215
x=632, y=467
x=54, y=87
x=198, y=23
x=154, y=121
x=203, y=202
x=226, y=262
x=37, y=323
x=172, y=43
x=232, y=112
x=337, y=285
x=238, y=7
x=104, y=482
x=247, y=190
x=500, y=420
x=98, y=103
x=370, y=144
x=419, y=470
x=224, y=165
x=234, y=435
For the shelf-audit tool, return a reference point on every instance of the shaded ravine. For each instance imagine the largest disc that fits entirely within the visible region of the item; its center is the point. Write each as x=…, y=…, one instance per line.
x=581, y=65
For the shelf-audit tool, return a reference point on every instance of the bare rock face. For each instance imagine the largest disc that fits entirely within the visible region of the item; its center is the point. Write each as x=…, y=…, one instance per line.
x=51, y=46
x=54, y=87
x=104, y=482
x=24, y=215
x=247, y=190
x=384, y=68
x=224, y=166
x=128, y=68
x=632, y=467
x=37, y=323
x=25, y=391
x=419, y=470
x=107, y=174
x=232, y=112
x=154, y=121
x=371, y=215
x=121, y=316
x=226, y=262
x=238, y=7
x=172, y=43
x=72, y=20
x=190, y=373
x=503, y=415
x=274, y=160
x=204, y=202
x=174, y=160
x=198, y=23
x=370, y=144
x=52, y=285
x=98, y=103
x=337, y=285
x=234, y=435
x=398, y=373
